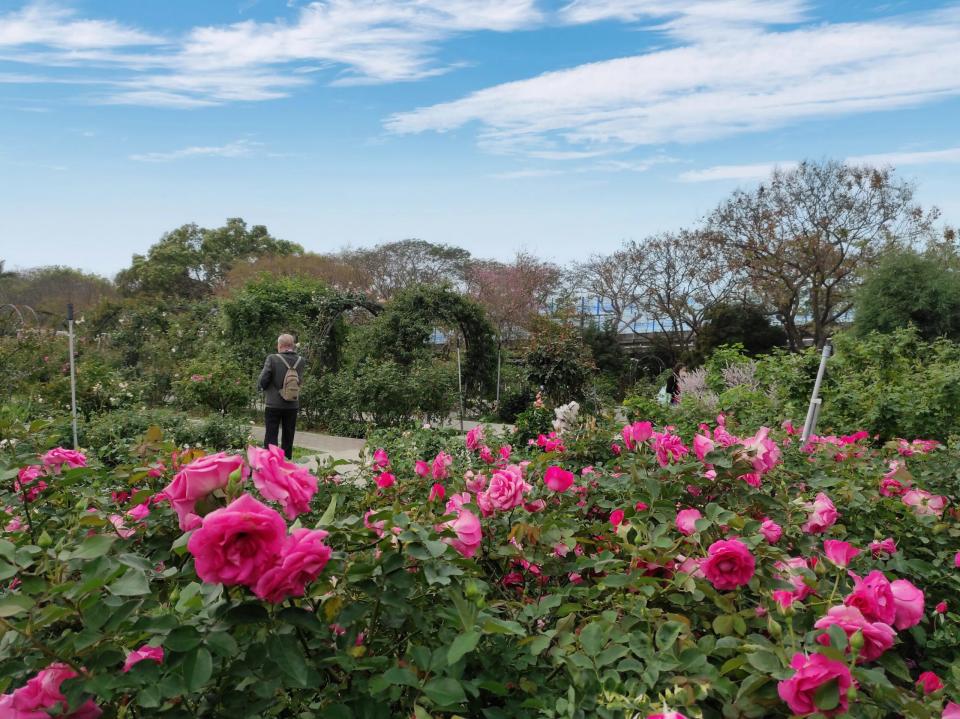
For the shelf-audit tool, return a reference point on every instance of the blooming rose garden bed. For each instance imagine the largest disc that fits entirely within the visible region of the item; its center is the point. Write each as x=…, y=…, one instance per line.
x=603, y=571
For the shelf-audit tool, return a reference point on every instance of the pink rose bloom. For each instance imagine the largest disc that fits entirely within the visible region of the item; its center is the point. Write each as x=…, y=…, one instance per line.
x=140, y=511
x=686, y=521
x=764, y=454
x=887, y=545
x=908, y=604
x=941, y=608
x=784, y=598
x=42, y=692
x=469, y=533
x=615, y=449
x=157, y=470
x=537, y=505
x=616, y=518
x=374, y=526
x=729, y=564
x=690, y=565
x=154, y=654
x=237, y=544
x=198, y=479
x=890, y=487
x=790, y=572
x=877, y=636
x=476, y=484
x=58, y=456
x=702, y=446
x=486, y=455
x=873, y=596
x=475, y=438
x=505, y=452
x=668, y=448
x=505, y=491
x=840, y=553
x=281, y=481
x=929, y=683
x=385, y=480
x=641, y=506
x=421, y=468
x=822, y=515
x=456, y=502
x=28, y=474
x=751, y=478
x=119, y=527
x=558, y=479
x=636, y=433
x=956, y=560
x=302, y=557
x=813, y=672
x=441, y=466
x=667, y=715
x=380, y=459
x=924, y=503
x=771, y=531
x=951, y=711
x=436, y=492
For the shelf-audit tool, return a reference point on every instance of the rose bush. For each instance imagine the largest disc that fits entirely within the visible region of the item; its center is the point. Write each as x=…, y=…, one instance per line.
x=738, y=575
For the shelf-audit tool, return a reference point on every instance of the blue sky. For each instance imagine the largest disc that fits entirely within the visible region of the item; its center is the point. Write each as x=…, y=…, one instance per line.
x=561, y=127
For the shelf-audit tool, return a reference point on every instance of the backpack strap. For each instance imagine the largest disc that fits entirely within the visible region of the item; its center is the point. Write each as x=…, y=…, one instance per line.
x=280, y=357
x=297, y=363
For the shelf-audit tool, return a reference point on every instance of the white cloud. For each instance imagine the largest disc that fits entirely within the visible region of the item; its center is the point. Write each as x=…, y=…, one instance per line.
x=711, y=88
x=762, y=170
x=238, y=148
x=53, y=26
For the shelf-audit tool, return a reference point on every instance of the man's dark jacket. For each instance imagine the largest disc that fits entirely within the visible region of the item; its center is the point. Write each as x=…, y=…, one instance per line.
x=271, y=379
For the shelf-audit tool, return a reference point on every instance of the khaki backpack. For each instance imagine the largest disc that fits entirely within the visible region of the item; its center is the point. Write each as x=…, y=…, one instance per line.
x=290, y=389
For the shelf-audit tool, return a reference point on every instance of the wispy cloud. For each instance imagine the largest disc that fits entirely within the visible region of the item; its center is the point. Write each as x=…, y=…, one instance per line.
x=762, y=170
x=356, y=41
x=711, y=87
x=238, y=148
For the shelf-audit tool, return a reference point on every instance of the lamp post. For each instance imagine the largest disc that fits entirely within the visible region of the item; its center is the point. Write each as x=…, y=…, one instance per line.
x=73, y=374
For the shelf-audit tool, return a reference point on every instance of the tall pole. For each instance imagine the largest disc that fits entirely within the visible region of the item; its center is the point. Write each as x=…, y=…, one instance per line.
x=813, y=411
x=460, y=382
x=73, y=375
x=499, y=351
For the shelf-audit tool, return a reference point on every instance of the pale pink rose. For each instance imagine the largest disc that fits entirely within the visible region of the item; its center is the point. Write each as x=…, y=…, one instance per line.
x=702, y=446
x=119, y=527
x=690, y=565
x=476, y=484
x=475, y=438
x=822, y=515
x=505, y=491
x=840, y=553
x=558, y=479
x=154, y=654
x=302, y=558
x=380, y=459
x=421, y=468
x=441, y=466
x=877, y=636
x=729, y=564
x=469, y=533
x=887, y=545
x=763, y=453
x=197, y=480
x=686, y=521
x=924, y=503
x=771, y=531
x=929, y=683
x=636, y=434
x=790, y=571
x=58, y=456
x=385, y=480
x=616, y=518
x=456, y=502
x=374, y=526
x=812, y=672
x=281, y=481
x=908, y=603
x=436, y=493
x=873, y=596
x=951, y=711
x=237, y=544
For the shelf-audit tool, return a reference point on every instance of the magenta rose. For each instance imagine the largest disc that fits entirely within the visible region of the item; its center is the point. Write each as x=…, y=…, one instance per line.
x=302, y=558
x=877, y=636
x=197, y=480
x=887, y=545
x=380, y=459
x=385, y=480
x=667, y=715
x=822, y=515
x=636, y=433
x=558, y=479
x=154, y=654
x=929, y=682
x=58, y=456
x=421, y=468
x=812, y=673
x=668, y=448
x=840, y=553
x=616, y=518
x=505, y=490
x=285, y=482
x=873, y=596
x=729, y=564
x=908, y=604
x=475, y=438
x=42, y=693
x=702, y=446
x=686, y=521
x=237, y=544
x=771, y=531
x=441, y=466
x=762, y=452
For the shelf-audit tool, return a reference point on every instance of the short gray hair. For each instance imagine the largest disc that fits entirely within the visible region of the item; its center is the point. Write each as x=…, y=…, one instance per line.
x=286, y=340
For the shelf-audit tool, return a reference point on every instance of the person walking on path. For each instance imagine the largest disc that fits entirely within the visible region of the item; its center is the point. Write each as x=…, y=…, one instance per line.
x=281, y=378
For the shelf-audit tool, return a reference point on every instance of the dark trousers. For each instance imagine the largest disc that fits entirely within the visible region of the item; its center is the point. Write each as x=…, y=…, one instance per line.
x=274, y=418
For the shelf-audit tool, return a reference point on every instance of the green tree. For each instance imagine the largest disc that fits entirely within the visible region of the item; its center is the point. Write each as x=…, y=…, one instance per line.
x=744, y=324
x=193, y=261
x=560, y=362
x=911, y=288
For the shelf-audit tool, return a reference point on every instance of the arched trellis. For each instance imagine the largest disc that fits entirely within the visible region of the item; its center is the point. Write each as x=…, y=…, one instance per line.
x=331, y=309
x=22, y=313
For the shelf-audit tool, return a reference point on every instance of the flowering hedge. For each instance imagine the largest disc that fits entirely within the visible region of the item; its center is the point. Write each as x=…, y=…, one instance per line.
x=599, y=571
